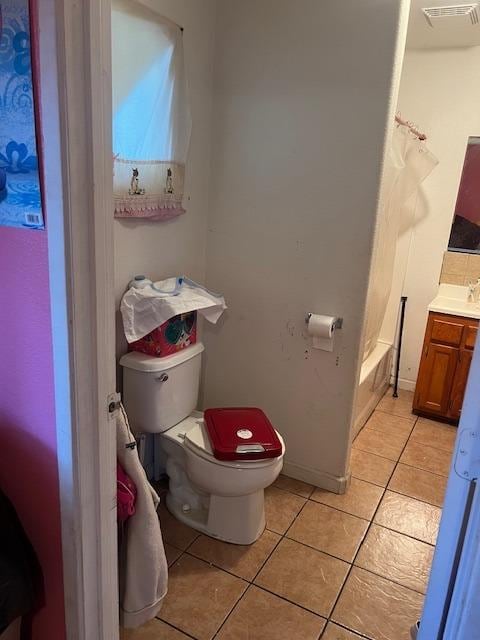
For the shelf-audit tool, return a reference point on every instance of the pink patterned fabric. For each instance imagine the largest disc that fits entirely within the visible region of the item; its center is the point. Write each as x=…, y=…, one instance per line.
x=126, y=495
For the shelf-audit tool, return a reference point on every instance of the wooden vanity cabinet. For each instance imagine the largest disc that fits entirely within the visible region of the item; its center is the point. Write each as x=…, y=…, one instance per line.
x=446, y=358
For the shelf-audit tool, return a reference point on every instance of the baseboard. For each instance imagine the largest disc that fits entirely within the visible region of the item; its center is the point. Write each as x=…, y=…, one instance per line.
x=403, y=383
x=321, y=479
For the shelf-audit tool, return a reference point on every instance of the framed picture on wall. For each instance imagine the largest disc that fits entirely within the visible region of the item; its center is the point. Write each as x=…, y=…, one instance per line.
x=20, y=191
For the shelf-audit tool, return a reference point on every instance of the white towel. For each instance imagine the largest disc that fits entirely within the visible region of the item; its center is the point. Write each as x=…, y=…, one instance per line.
x=143, y=565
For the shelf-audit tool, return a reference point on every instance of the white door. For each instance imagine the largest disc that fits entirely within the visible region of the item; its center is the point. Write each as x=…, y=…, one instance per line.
x=452, y=610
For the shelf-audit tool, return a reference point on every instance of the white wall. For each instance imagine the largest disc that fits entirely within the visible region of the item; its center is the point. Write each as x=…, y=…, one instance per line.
x=440, y=91
x=301, y=105
x=177, y=247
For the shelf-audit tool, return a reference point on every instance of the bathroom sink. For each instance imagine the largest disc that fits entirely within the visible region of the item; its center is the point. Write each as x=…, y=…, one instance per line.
x=453, y=299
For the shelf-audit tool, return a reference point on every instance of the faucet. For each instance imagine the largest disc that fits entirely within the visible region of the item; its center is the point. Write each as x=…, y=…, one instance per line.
x=474, y=291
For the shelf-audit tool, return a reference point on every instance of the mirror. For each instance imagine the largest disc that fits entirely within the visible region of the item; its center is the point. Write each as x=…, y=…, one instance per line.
x=465, y=233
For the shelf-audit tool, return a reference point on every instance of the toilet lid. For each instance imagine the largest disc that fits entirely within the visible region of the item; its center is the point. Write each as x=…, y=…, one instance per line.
x=241, y=433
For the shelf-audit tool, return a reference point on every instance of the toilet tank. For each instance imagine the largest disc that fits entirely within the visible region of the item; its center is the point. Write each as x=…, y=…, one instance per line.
x=160, y=392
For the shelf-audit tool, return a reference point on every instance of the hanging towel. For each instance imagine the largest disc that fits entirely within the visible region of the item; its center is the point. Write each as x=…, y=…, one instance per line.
x=143, y=565
x=143, y=310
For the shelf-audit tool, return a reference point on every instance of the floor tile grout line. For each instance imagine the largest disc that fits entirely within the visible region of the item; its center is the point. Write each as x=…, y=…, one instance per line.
x=294, y=603
x=427, y=444
x=326, y=553
x=384, y=433
x=354, y=558
x=410, y=417
x=176, y=560
x=329, y=506
x=269, y=556
x=308, y=546
x=248, y=585
x=399, y=584
x=357, y=448
x=375, y=484
x=235, y=575
x=396, y=459
x=231, y=611
x=191, y=543
x=407, y=495
x=285, y=599
x=251, y=583
x=383, y=496
x=432, y=473
x=385, y=489
x=440, y=475
x=283, y=536
x=299, y=495
x=169, y=624
x=396, y=415
x=382, y=526
x=362, y=636
x=367, y=531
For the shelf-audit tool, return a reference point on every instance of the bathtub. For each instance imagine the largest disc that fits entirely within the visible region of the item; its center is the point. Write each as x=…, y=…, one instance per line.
x=374, y=380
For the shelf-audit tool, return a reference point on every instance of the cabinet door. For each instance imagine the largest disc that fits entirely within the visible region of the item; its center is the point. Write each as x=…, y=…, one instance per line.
x=460, y=382
x=435, y=379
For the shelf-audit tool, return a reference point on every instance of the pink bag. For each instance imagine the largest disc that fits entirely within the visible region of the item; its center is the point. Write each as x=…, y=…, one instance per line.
x=126, y=495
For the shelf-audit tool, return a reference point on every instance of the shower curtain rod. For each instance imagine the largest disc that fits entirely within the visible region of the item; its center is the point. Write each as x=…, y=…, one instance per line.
x=413, y=129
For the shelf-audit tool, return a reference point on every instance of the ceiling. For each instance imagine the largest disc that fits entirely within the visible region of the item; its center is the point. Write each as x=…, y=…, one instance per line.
x=446, y=32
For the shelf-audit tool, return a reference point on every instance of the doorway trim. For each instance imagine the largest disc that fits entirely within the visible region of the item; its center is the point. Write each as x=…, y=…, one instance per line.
x=75, y=72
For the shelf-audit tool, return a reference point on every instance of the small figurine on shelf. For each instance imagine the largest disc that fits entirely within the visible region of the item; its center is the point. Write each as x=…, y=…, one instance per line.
x=134, y=185
x=169, y=182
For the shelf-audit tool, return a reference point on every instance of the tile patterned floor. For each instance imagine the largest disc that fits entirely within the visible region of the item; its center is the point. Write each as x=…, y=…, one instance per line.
x=327, y=567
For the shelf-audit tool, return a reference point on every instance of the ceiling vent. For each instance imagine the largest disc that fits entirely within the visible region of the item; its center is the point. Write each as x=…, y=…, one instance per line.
x=470, y=12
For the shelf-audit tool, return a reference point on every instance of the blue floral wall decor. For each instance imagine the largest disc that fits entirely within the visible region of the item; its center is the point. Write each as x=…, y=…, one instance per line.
x=20, y=197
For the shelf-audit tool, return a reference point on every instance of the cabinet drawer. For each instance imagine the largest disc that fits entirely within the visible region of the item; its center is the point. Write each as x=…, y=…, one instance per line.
x=470, y=336
x=446, y=331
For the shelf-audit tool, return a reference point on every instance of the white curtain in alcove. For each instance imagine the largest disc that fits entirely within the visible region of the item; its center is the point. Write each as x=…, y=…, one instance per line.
x=151, y=119
x=408, y=163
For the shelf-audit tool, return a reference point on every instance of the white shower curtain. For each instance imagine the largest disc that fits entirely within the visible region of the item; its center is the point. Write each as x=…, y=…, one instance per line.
x=407, y=165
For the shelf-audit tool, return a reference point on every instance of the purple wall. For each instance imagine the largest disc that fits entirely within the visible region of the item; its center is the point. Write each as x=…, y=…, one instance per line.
x=28, y=445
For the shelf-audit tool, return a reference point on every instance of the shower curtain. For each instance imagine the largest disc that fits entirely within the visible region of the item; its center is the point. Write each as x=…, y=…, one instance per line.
x=407, y=165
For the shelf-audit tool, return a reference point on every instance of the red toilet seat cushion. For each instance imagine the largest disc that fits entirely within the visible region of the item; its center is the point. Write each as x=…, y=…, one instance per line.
x=241, y=433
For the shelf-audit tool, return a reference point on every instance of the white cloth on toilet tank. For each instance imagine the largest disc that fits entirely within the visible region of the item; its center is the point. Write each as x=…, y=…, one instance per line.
x=143, y=566
x=143, y=310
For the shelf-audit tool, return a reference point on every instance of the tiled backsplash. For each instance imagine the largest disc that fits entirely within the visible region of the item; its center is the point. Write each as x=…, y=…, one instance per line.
x=460, y=268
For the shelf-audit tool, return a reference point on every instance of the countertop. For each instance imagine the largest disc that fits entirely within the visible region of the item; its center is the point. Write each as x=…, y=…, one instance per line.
x=452, y=299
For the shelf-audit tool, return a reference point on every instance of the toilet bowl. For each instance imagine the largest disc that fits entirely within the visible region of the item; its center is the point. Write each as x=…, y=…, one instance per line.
x=221, y=498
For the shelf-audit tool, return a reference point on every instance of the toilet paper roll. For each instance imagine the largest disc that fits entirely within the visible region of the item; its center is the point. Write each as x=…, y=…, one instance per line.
x=322, y=330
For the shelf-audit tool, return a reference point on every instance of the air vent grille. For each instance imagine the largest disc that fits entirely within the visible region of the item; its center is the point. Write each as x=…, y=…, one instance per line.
x=469, y=11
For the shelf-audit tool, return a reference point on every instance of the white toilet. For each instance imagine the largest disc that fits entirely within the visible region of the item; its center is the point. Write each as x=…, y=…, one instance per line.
x=221, y=498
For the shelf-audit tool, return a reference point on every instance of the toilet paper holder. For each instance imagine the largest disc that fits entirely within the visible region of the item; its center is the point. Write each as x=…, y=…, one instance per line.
x=337, y=325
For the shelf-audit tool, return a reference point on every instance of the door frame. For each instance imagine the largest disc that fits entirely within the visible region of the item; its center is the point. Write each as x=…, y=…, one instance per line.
x=75, y=100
